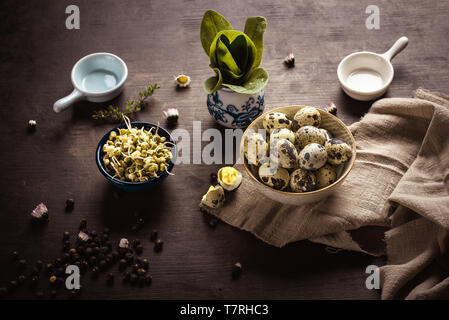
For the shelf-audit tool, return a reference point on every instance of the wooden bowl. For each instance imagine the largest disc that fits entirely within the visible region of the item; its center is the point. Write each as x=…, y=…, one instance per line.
x=328, y=122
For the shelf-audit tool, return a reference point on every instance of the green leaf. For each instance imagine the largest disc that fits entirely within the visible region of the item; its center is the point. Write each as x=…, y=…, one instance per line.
x=213, y=83
x=255, y=82
x=254, y=29
x=212, y=23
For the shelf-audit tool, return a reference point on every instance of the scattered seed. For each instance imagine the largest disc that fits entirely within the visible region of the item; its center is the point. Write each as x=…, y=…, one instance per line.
x=153, y=235
x=52, y=279
x=139, y=249
x=34, y=281
x=83, y=224
x=236, y=270
x=15, y=255
x=69, y=204
x=158, y=245
x=109, y=279
x=22, y=264
x=65, y=236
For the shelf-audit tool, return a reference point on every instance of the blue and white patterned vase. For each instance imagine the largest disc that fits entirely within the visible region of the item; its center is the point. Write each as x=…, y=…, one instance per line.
x=235, y=110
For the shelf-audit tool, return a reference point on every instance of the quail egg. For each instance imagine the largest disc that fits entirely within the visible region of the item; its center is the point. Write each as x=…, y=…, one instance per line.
x=276, y=120
x=274, y=176
x=302, y=181
x=255, y=148
x=309, y=134
x=325, y=176
x=338, y=151
x=284, y=153
x=214, y=198
x=308, y=116
x=282, y=133
x=327, y=133
x=312, y=157
x=229, y=178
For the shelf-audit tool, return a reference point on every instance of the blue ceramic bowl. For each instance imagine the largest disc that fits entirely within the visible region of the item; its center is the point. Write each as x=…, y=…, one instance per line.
x=135, y=186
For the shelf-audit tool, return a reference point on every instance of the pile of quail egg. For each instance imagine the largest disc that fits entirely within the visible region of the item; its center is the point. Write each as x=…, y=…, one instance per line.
x=296, y=155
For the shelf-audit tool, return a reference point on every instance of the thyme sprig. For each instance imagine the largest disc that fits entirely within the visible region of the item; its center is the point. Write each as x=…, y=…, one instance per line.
x=114, y=114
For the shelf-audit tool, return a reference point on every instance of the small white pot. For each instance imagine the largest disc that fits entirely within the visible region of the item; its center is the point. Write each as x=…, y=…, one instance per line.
x=235, y=110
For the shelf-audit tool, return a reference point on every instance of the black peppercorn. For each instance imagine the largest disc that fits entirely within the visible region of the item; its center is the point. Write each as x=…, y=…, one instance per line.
x=65, y=257
x=48, y=268
x=126, y=276
x=34, y=281
x=158, y=245
x=140, y=221
x=134, y=268
x=72, y=251
x=40, y=294
x=236, y=270
x=15, y=255
x=53, y=294
x=145, y=264
x=35, y=271
x=13, y=284
x=58, y=262
x=139, y=249
x=102, y=265
x=21, y=279
x=129, y=257
x=89, y=251
x=65, y=236
x=66, y=246
x=153, y=235
x=133, y=278
x=22, y=264
x=106, y=230
x=148, y=279
x=95, y=272
x=141, y=272
x=213, y=178
x=122, y=264
x=3, y=292
x=93, y=261
x=83, y=224
x=115, y=256
x=69, y=204
x=93, y=234
x=109, y=279
x=135, y=243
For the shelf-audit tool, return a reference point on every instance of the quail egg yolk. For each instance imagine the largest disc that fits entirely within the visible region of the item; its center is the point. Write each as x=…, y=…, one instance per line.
x=228, y=175
x=182, y=79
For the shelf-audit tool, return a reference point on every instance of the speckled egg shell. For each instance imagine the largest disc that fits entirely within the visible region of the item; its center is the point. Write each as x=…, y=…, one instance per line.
x=309, y=134
x=325, y=176
x=284, y=153
x=338, y=151
x=308, y=116
x=274, y=176
x=327, y=133
x=282, y=133
x=214, y=198
x=255, y=148
x=312, y=157
x=302, y=181
x=276, y=120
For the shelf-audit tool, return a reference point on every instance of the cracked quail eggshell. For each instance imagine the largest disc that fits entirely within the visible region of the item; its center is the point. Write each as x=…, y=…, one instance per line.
x=274, y=176
x=338, y=151
x=308, y=116
x=309, y=134
x=312, y=157
x=214, y=198
x=302, y=181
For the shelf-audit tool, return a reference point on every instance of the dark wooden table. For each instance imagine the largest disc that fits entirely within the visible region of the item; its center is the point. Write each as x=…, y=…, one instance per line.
x=159, y=39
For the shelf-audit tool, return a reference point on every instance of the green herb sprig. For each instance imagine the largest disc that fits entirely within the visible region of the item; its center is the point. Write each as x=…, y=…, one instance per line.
x=114, y=114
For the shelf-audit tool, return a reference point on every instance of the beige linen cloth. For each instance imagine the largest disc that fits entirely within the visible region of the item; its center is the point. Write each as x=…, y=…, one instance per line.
x=399, y=184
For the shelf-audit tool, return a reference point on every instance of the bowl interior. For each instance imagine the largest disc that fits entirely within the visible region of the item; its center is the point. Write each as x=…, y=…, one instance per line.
x=365, y=72
x=147, y=125
x=99, y=73
x=328, y=122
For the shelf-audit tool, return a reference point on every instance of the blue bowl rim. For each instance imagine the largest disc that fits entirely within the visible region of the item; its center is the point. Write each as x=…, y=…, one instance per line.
x=100, y=164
